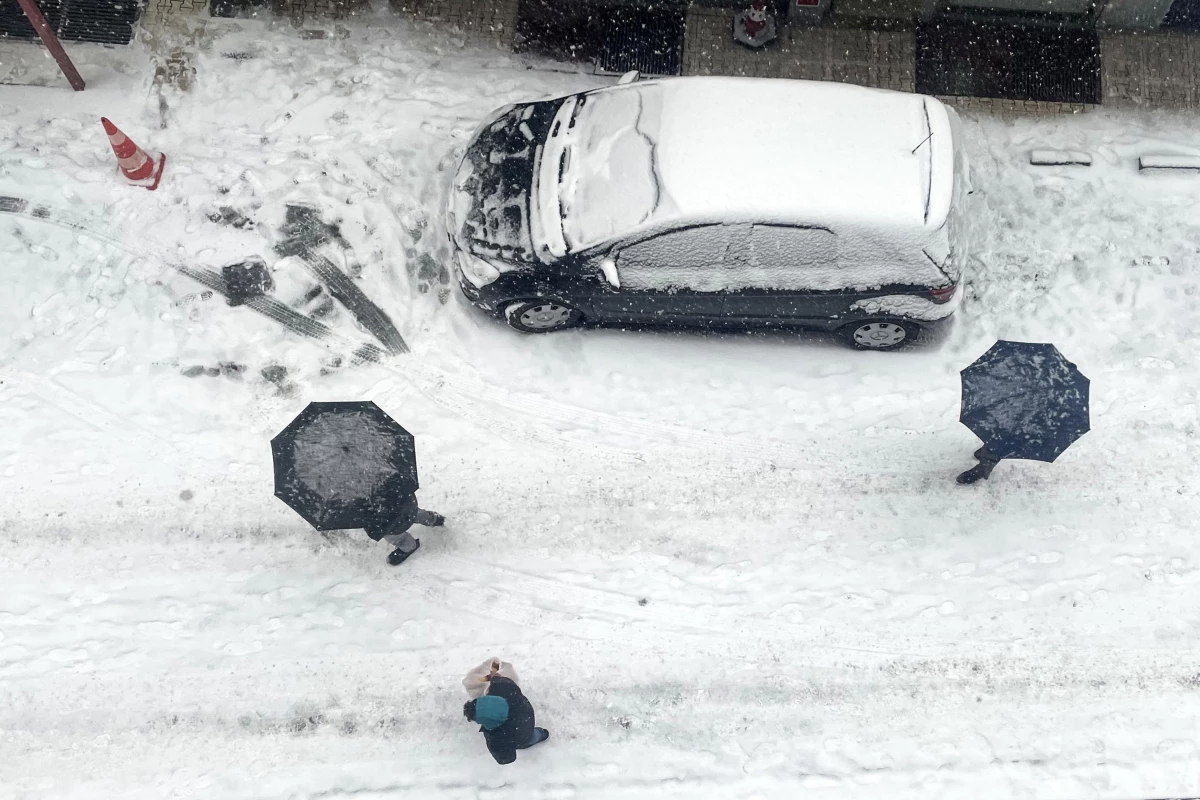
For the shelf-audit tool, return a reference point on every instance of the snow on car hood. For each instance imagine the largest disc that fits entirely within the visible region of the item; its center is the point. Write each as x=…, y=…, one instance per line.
x=606, y=163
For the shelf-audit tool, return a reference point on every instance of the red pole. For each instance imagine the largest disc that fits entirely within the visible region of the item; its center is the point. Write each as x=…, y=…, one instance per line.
x=38, y=20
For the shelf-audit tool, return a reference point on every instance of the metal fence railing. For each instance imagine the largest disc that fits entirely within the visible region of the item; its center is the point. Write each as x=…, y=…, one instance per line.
x=101, y=21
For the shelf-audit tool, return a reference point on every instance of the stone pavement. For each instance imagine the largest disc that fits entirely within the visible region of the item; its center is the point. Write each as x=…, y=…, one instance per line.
x=1151, y=70
x=1146, y=69
x=880, y=59
x=493, y=19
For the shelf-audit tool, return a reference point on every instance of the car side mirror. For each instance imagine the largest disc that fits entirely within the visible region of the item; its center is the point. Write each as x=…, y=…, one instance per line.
x=629, y=77
x=608, y=271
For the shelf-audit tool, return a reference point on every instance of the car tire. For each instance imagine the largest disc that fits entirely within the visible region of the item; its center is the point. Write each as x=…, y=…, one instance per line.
x=880, y=334
x=541, y=315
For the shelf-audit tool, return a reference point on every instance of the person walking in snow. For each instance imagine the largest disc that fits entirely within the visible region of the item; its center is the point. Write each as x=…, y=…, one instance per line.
x=983, y=470
x=505, y=718
x=392, y=523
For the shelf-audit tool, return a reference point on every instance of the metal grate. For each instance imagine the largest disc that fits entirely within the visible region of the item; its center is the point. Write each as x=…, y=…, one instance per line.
x=1184, y=15
x=563, y=30
x=648, y=40
x=13, y=23
x=101, y=21
x=618, y=38
x=1051, y=64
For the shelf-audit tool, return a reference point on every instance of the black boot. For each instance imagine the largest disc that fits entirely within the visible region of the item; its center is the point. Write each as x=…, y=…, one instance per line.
x=980, y=472
x=972, y=475
x=430, y=519
x=398, y=556
x=539, y=735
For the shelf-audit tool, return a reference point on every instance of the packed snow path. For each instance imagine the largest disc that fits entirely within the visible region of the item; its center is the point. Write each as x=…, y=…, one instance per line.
x=725, y=566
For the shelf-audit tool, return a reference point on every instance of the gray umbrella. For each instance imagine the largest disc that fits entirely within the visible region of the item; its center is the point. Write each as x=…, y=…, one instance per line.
x=339, y=464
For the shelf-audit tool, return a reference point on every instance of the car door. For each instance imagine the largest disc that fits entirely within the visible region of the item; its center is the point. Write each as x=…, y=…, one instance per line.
x=672, y=277
x=786, y=274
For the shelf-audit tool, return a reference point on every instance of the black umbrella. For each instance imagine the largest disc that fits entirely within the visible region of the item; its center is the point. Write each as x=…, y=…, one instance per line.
x=338, y=464
x=1024, y=400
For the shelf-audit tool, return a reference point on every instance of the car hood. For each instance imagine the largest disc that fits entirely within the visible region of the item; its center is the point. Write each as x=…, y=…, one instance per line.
x=492, y=191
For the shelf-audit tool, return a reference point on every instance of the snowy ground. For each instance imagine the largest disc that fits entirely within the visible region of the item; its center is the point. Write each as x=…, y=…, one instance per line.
x=725, y=566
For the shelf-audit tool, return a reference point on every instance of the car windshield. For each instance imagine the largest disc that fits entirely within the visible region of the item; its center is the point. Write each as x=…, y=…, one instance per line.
x=608, y=182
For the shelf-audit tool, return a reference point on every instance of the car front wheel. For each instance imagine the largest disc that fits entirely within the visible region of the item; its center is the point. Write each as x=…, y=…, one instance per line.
x=542, y=316
x=880, y=334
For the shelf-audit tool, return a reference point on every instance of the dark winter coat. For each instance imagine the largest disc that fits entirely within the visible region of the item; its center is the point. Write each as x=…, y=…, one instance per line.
x=393, y=520
x=504, y=741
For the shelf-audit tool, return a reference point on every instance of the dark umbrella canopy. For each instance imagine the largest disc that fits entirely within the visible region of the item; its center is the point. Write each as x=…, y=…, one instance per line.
x=1025, y=400
x=338, y=464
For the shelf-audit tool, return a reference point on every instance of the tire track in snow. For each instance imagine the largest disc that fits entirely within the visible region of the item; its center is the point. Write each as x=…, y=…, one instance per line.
x=677, y=775
x=164, y=451
x=492, y=408
x=558, y=607
x=305, y=233
x=572, y=611
x=291, y=319
x=432, y=383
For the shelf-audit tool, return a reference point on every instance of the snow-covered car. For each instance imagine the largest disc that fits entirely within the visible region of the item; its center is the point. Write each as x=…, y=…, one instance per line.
x=705, y=202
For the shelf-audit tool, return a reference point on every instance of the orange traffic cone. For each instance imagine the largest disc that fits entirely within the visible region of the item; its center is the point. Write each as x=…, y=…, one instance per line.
x=136, y=165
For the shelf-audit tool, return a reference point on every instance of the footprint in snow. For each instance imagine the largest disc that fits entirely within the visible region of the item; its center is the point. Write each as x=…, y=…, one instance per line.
x=91, y=176
x=40, y=250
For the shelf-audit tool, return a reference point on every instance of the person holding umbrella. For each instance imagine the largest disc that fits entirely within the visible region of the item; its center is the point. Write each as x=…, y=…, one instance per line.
x=348, y=464
x=1024, y=400
x=392, y=523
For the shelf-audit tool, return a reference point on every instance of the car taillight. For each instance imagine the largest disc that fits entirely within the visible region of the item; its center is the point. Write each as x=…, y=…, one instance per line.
x=944, y=294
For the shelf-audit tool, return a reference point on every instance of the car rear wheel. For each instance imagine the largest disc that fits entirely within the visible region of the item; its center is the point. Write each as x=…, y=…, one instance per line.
x=542, y=316
x=880, y=334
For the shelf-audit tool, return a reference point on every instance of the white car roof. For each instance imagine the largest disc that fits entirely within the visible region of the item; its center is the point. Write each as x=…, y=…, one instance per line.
x=788, y=151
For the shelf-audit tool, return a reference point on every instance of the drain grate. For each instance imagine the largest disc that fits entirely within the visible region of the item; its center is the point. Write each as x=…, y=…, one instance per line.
x=1184, y=15
x=1012, y=62
x=648, y=40
x=616, y=38
x=557, y=29
x=14, y=24
x=100, y=21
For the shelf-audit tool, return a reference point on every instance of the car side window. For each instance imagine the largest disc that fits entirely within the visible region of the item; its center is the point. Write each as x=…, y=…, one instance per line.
x=785, y=257
x=690, y=258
